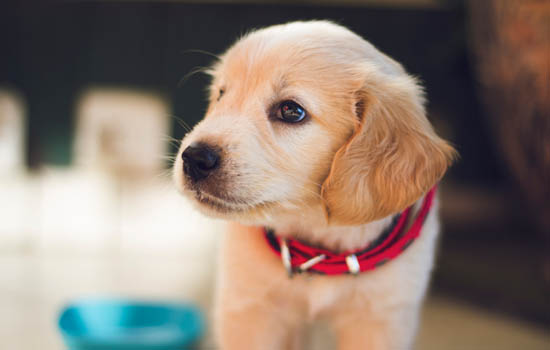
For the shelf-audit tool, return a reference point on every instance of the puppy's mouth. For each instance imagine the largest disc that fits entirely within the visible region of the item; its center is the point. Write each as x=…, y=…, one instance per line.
x=224, y=205
x=228, y=205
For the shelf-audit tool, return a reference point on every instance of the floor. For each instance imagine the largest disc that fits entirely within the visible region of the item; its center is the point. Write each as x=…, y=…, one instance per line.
x=144, y=241
x=33, y=288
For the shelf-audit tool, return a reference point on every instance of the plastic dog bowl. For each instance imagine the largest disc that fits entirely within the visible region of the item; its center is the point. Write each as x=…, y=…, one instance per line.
x=101, y=324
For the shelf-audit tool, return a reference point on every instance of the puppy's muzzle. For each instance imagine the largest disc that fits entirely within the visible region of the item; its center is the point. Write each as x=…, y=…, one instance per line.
x=199, y=161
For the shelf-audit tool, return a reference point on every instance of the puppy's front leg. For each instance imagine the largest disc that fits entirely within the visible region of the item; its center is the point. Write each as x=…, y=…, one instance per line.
x=252, y=328
x=395, y=331
x=253, y=310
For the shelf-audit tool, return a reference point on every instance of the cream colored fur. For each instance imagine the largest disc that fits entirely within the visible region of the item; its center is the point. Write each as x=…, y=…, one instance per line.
x=365, y=152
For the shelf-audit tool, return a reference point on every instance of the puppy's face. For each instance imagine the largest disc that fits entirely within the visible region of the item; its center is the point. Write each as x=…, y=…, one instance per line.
x=287, y=103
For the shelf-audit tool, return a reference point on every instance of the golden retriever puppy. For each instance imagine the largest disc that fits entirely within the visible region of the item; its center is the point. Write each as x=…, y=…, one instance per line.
x=316, y=147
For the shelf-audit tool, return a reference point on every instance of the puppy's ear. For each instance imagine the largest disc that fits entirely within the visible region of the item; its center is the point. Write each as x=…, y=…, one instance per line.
x=392, y=158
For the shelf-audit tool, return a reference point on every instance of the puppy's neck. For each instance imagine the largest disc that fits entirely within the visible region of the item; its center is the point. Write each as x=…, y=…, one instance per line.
x=334, y=238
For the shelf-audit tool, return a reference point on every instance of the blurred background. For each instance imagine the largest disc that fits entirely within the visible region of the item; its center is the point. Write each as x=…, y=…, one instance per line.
x=95, y=94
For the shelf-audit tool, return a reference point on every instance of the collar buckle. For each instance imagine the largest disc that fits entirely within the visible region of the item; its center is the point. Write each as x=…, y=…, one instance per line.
x=311, y=262
x=285, y=257
x=353, y=264
x=287, y=261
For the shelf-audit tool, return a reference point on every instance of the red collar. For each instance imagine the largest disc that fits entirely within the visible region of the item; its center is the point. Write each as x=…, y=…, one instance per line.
x=299, y=257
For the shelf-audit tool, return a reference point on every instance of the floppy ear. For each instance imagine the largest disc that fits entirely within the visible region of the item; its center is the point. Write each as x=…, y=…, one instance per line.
x=392, y=158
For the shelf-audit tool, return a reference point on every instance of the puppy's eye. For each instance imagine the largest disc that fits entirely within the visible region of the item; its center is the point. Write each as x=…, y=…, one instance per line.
x=220, y=94
x=291, y=112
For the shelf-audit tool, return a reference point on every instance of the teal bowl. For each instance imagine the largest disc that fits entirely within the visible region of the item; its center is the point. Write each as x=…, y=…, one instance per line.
x=106, y=324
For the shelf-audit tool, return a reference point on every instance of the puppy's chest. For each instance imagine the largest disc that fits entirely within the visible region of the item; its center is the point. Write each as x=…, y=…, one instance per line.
x=326, y=294
x=399, y=282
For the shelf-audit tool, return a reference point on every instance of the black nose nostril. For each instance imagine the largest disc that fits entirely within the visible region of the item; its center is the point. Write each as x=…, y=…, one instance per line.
x=199, y=160
x=208, y=161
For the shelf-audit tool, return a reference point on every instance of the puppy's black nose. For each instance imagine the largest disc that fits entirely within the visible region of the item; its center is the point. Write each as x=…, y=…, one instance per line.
x=199, y=160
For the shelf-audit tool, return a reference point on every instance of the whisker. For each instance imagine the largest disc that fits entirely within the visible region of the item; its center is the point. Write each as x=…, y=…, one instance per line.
x=172, y=142
x=166, y=137
x=195, y=70
x=182, y=123
x=164, y=174
x=204, y=52
x=167, y=157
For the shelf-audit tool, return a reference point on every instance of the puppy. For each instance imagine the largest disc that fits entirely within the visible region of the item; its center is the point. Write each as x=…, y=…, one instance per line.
x=317, y=149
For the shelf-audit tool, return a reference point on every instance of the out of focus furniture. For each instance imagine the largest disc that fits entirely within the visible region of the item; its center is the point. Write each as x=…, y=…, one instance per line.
x=122, y=131
x=511, y=44
x=12, y=132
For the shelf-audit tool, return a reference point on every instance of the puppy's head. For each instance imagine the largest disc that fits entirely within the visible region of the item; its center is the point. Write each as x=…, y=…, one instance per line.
x=308, y=117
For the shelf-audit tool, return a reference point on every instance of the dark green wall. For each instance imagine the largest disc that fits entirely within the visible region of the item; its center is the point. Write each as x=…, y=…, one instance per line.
x=52, y=52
